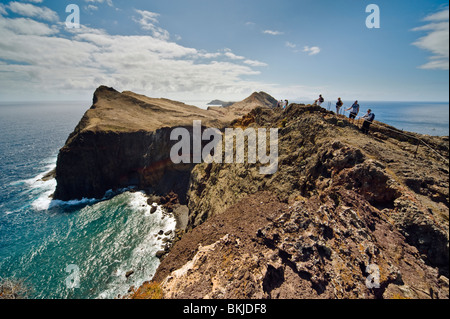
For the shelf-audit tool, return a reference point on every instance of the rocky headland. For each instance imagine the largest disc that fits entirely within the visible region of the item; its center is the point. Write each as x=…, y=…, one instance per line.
x=220, y=103
x=346, y=215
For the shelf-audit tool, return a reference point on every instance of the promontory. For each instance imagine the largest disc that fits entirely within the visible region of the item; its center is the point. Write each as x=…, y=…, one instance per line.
x=346, y=215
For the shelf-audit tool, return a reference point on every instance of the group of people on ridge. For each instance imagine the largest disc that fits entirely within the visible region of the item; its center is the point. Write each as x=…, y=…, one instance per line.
x=368, y=118
x=283, y=104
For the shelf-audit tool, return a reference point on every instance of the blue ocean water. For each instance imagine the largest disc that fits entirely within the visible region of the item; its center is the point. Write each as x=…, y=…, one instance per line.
x=47, y=242
x=421, y=117
x=76, y=249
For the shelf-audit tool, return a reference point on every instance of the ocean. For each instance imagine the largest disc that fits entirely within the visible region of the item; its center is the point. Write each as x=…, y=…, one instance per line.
x=84, y=249
x=420, y=117
x=77, y=249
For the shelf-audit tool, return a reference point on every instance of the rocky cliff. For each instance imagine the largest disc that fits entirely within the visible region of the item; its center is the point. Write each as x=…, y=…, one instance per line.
x=124, y=140
x=342, y=209
x=257, y=99
x=346, y=215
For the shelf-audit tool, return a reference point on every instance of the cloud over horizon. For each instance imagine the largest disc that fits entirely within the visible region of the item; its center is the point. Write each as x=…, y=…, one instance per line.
x=436, y=40
x=32, y=11
x=272, y=32
x=48, y=57
x=311, y=50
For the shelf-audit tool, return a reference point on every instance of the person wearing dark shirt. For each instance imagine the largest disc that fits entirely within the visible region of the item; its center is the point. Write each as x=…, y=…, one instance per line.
x=339, y=104
x=368, y=119
x=319, y=101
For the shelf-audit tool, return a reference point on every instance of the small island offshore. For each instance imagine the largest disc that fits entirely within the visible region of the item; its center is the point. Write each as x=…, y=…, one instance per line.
x=345, y=215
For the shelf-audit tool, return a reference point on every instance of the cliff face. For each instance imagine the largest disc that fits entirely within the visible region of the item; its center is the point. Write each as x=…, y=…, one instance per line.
x=340, y=204
x=94, y=162
x=314, y=248
x=124, y=140
x=346, y=215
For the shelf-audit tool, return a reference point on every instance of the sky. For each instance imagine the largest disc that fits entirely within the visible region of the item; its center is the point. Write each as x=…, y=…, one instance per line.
x=190, y=50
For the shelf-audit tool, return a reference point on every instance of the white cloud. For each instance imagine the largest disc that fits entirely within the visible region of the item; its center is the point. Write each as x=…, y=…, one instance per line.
x=108, y=2
x=436, y=40
x=208, y=55
x=233, y=56
x=311, y=50
x=272, y=32
x=25, y=26
x=255, y=63
x=249, y=62
x=148, y=21
x=291, y=45
x=32, y=11
x=2, y=9
x=43, y=60
x=91, y=7
x=438, y=16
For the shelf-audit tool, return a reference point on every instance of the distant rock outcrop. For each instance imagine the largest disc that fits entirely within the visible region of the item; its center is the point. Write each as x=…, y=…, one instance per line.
x=124, y=140
x=221, y=103
x=257, y=99
x=253, y=101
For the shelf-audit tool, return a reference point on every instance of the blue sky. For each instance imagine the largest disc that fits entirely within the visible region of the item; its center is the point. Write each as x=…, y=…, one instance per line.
x=205, y=49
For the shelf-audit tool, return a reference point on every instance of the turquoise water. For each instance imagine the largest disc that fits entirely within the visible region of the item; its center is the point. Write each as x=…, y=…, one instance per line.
x=52, y=245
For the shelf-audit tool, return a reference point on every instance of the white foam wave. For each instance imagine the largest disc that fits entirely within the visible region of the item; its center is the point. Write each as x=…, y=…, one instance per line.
x=46, y=188
x=45, y=200
x=142, y=260
x=37, y=182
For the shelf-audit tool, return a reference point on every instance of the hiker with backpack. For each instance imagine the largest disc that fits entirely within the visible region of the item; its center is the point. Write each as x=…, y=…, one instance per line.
x=354, y=111
x=368, y=119
x=319, y=101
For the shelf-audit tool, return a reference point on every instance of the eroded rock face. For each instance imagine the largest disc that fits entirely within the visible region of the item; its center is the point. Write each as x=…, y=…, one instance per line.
x=316, y=248
x=123, y=140
x=354, y=205
x=95, y=162
x=339, y=204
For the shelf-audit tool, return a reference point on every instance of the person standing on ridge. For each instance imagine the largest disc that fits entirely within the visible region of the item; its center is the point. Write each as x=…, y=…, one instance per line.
x=368, y=119
x=286, y=103
x=319, y=101
x=339, y=104
x=354, y=111
x=280, y=104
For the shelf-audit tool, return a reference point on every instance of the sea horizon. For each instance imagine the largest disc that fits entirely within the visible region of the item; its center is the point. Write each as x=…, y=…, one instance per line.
x=428, y=118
